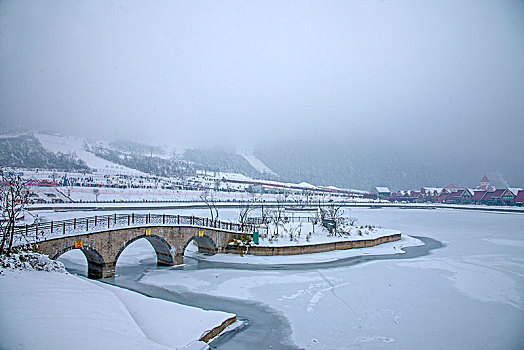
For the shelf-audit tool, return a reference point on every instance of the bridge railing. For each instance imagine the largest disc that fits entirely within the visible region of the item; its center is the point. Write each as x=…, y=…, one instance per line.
x=53, y=229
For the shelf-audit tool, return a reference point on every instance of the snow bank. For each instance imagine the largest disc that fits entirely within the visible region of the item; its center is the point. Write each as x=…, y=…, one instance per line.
x=42, y=310
x=166, y=322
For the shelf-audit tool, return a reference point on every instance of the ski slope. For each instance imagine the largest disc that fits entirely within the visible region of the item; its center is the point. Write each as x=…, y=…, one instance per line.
x=63, y=144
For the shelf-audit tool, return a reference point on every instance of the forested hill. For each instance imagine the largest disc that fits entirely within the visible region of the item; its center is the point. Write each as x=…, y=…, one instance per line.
x=26, y=151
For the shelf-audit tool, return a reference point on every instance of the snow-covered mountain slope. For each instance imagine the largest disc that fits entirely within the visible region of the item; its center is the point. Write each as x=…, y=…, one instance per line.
x=66, y=144
x=257, y=163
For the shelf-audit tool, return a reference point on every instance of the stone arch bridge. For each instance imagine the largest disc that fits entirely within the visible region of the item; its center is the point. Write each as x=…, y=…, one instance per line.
x=103, y=238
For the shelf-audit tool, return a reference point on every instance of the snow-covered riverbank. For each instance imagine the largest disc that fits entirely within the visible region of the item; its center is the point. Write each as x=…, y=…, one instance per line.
x=53, y=310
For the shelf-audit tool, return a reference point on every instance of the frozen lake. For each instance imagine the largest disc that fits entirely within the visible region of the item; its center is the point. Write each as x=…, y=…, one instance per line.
x=465, y=294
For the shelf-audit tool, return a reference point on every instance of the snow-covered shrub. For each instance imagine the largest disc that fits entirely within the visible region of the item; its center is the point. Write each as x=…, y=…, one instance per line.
x=26, y=260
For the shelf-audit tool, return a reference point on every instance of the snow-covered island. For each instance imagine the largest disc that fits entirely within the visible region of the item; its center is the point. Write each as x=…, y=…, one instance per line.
x=305, y=242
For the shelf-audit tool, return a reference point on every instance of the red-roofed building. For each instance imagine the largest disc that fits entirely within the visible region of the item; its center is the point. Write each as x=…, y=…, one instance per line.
x=453, y=188
x=430, y=194
x=445, y=193
x=485, y=185
x=450, y=197
x=494, y=197
x=460, y=196
x=508, y=197
x=478, y=196
x=519, y=198
x=408, y=196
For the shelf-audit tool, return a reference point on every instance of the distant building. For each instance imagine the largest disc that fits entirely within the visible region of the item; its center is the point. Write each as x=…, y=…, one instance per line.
x=459, y=197
x=454, y=188
x=478, y=196
x=431, y=194
x=519, y=198
x=485, y=185
x=508, y=197
x=382, y=192
x=494, y=197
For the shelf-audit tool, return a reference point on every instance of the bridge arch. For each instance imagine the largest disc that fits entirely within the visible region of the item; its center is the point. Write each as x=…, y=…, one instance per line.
x=95, y=261
x=205, y=244
x=164, y=251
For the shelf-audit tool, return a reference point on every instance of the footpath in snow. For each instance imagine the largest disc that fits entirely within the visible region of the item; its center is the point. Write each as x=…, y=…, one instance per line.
x=54, y=310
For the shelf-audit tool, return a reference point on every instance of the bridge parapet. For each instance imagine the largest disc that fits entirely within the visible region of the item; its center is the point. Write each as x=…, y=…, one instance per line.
x=78, y=226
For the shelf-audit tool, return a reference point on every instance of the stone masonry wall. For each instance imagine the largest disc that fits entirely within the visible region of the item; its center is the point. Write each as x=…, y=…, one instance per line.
x=313, y=248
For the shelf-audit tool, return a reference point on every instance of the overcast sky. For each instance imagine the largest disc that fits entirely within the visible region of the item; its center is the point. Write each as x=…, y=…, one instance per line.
x=249, y=72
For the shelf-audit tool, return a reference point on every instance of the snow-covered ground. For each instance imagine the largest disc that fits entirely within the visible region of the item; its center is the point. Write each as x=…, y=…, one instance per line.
x=52, y=310
x=305, y=233
x=115, y=194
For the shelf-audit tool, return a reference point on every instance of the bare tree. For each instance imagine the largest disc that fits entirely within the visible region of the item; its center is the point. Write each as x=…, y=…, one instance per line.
x=263, y=219
x=294, y=232
x=316, y=216
x=332, y=216
x=14, y=198
x=96, y=192
x=245, y=209
x=352, y=220
x=207, y=197
x=276, y=216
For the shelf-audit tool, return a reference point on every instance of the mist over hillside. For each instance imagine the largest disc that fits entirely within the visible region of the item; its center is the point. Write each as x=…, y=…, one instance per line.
x=363, y=166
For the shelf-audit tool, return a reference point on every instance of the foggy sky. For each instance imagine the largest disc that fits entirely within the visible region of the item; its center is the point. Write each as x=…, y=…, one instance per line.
x=439, y=74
